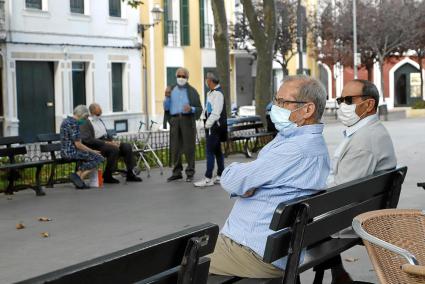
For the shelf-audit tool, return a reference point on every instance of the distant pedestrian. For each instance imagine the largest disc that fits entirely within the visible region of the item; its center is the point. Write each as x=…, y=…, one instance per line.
x=73, y=148
x=182, y=107
x=215, y=130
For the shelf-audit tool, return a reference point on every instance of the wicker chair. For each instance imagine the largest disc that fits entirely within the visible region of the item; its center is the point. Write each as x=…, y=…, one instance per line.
x=395, y=242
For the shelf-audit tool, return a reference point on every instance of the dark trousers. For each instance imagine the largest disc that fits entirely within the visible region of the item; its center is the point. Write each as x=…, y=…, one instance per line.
x=112, y=153
x=213, y=153
x=182, y=141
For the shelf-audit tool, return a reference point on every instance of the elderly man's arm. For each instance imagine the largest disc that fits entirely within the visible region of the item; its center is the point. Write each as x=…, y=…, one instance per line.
x=242, y=179
x=354, y=165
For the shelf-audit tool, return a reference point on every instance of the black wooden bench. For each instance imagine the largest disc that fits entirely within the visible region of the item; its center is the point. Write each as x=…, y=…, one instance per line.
x=239, y=129
x=52, y=145
x=308, y=222
x=176, y=258
x=14, y=151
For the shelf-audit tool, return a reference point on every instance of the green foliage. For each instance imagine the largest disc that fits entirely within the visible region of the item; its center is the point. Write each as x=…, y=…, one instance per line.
x=419, y=105
x=133, y=3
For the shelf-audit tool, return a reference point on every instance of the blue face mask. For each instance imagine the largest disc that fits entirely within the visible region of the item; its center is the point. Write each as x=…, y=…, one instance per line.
x=280, y=118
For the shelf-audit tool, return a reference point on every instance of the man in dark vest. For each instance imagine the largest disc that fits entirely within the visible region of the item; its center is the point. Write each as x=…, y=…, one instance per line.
x=215, y=130
x=182, y=108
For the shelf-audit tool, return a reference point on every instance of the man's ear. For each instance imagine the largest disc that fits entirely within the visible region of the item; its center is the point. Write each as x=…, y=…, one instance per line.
x=371, y=105
x=309, y=110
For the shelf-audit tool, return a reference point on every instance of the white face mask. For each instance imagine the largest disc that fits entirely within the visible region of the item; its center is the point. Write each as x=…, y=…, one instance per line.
x=181, y=81
x=347, y=114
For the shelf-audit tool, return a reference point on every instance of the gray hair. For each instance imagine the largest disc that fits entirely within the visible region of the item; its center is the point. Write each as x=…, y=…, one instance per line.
x=211, y=76
x=81, y=111
x=186, y=72
x=311, y=90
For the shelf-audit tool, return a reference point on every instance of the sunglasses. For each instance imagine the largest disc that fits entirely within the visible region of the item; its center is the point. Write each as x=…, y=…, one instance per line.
x=181, y=76
x=348, y=99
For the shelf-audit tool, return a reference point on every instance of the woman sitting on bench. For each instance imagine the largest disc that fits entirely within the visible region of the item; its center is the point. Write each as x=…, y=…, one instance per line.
x=72, y=148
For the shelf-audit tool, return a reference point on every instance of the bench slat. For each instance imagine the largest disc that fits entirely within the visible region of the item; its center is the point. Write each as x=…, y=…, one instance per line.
x=48, y=137
x=135, y=263
x=11, y=140
x=13, y=151
x=245, y=126
x=54, y=147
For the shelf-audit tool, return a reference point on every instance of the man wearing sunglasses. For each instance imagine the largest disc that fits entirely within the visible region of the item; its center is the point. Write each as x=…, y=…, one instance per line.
x=366, y=148
x=294, y=164
x=182, y=107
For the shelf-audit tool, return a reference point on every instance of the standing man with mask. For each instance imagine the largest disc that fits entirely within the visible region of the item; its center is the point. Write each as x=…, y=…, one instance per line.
x=182, y=108
x=94, y=135
x=294, y=164
x=367, y=147
x=215, y=130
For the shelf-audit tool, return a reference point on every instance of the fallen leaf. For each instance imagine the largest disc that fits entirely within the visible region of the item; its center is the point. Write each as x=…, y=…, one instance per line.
x=44, y=219
x=20, y=226
x=45, y=234
x=351, y=259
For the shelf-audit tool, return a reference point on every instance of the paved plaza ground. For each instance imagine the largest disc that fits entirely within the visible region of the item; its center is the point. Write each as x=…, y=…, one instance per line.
x=87, y=224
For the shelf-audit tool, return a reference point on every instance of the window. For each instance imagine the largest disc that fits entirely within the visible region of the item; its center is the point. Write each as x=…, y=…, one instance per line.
x=115, y=8
x=33, y=4
x=117, y=87
x=77, y=6
x=79, y=83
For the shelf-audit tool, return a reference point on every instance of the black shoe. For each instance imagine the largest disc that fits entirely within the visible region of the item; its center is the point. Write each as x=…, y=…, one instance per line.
x=110, y=180
x=134, y=178
x=189, y=179
x=173, y=178
x=76, y=180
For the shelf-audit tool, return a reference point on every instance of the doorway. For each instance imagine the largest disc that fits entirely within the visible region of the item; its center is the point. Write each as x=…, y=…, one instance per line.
x=35, y=95
x=407, y=86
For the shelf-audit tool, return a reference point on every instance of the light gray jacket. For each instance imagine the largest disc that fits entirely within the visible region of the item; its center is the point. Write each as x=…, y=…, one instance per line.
x=369, y=150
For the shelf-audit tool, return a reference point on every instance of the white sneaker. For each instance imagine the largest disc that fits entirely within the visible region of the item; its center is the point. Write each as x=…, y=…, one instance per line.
x=217, y=180
x=204, y=182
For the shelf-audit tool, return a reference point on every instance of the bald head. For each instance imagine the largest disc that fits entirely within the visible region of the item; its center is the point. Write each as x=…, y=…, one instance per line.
x=95, y=109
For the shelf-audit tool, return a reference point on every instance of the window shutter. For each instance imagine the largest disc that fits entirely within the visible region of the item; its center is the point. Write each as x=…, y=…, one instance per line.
x=184, y=22
x=165, y=22
x=202, y=21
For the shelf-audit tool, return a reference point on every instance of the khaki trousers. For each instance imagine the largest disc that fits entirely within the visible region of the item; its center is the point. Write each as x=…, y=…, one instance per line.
x=231, y=258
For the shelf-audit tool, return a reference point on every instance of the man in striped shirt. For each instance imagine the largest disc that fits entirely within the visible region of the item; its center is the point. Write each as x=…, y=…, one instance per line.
x=294, y=164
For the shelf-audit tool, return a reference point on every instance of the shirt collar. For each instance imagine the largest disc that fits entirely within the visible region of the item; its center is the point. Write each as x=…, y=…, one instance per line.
x=301, y=130
x=349, y=131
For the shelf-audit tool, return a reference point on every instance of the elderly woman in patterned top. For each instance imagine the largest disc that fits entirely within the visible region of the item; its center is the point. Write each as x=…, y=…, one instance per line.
x=73, y=148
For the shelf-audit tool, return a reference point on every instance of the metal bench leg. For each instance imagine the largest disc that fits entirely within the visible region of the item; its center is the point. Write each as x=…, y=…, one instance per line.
x=38, y=189
x=11, y=182
x=50, y=182
x=246, y=151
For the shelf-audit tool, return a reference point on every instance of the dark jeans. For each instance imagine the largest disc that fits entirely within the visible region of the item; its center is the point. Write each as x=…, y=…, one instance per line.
x=213, y=153
x=182, y=141
x=112, y=153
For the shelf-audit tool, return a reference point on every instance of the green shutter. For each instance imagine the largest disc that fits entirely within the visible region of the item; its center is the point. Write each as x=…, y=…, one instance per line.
x=165, y=22
x=171, y=76
x=117, y=100
x=202, y=21
x=184, y=22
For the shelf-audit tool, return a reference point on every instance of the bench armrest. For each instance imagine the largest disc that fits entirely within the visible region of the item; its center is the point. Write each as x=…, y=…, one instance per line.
x=383, y=244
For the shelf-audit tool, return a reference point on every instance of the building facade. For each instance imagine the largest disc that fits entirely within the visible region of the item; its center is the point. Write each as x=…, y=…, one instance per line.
x=61, y=53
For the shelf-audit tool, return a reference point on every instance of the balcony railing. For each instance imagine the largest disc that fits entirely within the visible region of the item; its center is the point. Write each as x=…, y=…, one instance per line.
x=173, y=35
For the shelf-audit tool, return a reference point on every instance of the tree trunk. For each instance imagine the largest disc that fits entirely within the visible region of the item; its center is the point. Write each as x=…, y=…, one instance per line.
x=264, y=38
x=381, y=70
x=369, y=69
x=221, y=40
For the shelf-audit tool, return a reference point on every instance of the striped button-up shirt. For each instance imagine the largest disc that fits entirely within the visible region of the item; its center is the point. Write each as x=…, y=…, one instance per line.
x=294, y=164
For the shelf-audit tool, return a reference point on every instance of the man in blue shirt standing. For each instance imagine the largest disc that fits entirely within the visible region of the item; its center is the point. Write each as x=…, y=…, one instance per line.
x=294, y=164
x=182, y=107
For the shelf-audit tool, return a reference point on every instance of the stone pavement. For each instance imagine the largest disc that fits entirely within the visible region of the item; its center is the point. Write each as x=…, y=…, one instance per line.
x=87, y=224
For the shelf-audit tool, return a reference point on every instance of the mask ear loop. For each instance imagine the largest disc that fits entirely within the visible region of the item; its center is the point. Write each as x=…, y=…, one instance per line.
x=365, y=111
x=296, y=122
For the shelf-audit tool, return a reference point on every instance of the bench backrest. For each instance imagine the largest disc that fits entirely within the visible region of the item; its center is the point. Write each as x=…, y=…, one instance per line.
x=53, y=143
x=331, y=211
x=11, y=151
x=245, y=126
x=156, y=261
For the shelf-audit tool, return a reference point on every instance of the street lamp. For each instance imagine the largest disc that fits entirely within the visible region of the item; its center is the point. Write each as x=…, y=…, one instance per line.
x=300, y=35
x=157, y=13
x=354, y=39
